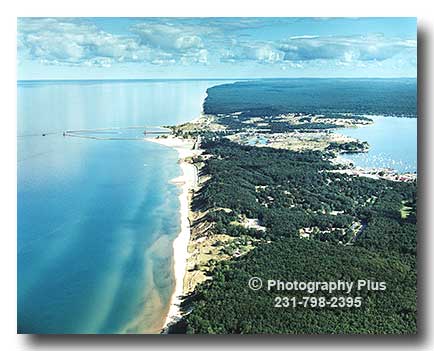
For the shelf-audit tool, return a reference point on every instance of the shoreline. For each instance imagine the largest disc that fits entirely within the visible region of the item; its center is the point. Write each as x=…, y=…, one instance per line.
x=186, y=181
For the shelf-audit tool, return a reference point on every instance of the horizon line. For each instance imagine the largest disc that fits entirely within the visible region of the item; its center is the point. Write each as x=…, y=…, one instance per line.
x=205, y=78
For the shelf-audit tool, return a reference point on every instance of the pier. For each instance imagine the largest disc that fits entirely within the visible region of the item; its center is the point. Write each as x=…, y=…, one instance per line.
x=116, y=133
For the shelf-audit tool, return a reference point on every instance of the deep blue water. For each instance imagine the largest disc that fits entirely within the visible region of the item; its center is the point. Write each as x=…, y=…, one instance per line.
x=96, y=218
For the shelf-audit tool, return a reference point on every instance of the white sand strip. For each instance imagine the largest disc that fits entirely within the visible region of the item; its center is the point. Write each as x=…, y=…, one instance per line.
x=186, y=181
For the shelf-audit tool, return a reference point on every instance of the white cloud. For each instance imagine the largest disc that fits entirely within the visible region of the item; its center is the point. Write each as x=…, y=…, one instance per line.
x=260, y=52
x=182, y=42
x=61, y=41
x=167, y=37
x=344, y=48
x=70, y=42
x=77, y=42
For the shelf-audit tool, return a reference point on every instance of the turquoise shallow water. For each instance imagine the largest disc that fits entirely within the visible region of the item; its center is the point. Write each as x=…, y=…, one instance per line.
x=392, y=140
x=97, y=218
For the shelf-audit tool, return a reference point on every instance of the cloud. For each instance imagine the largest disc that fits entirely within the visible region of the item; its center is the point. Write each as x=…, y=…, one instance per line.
x=181, y=41
x=202, y=41
x=168, y=37
x=340, y=50
x=55, y=41
x=344, y=48
x=259, y=52
x=74, y=43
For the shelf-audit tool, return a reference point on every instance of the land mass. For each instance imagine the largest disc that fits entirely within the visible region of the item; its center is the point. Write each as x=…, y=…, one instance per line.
x=272, y=200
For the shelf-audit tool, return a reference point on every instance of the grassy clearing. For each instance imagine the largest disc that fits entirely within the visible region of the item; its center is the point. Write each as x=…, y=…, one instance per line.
x=405, y=209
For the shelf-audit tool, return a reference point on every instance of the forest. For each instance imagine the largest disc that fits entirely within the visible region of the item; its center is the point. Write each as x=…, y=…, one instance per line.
x=349, y=147
x=227, y=305
x=355, y=231
x=331, y=97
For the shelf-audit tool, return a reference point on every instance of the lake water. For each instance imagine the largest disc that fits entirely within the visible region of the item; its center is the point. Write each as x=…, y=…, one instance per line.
x=97, y=218
x=392, y=140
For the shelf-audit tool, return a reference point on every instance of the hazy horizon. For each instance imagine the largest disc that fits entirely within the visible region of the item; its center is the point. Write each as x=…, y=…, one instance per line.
x=200, y=79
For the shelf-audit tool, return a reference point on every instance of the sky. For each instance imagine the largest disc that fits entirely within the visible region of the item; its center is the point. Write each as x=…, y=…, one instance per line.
x=153, y=48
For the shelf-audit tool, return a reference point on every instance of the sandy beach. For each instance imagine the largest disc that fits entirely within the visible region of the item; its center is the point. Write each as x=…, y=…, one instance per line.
x=186, y=182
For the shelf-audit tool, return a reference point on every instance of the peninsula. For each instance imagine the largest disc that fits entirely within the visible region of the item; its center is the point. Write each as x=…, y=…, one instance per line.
x=271, y=200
